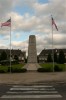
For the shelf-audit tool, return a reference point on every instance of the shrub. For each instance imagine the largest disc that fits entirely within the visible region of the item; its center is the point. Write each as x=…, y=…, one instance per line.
x=16, y=70
x=23, y=70
x=57, y=68
x=3, y=71
x=61, y=58
x=48, y=69
x=41, y=70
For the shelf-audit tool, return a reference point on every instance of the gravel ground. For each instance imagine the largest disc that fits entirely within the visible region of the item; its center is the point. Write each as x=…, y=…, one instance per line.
x=29, y=77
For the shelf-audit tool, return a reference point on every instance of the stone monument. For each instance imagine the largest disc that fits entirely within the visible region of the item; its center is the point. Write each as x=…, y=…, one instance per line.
x=32, y=64
x=32, y=52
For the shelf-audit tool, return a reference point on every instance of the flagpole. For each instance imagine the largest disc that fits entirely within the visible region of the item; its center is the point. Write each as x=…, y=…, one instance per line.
x=8, y=23
x=10, y=47
x=52, y=47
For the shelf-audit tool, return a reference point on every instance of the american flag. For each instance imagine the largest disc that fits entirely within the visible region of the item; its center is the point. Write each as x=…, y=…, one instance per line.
x=53, y=23
x=7, y=23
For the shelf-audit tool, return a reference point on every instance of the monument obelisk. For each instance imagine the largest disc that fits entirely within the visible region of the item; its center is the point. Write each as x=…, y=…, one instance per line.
x=32, y=64
x=32, y=52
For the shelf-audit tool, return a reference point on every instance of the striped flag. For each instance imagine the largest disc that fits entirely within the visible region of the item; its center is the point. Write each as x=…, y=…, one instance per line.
x=53, y=23
x=7, y=23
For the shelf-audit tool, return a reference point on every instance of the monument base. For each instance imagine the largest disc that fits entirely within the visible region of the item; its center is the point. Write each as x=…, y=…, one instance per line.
x=32, y=66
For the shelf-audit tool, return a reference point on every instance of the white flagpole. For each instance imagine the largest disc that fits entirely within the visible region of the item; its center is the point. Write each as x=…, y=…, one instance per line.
x=52, y=47
x=10, y=47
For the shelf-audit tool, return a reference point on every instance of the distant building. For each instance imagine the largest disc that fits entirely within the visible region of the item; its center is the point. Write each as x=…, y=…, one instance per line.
x=20, y=54
x=42, y=57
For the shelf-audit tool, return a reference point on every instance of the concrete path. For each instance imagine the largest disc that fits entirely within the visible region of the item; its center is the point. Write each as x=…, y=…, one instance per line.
x=32, y=66
x=31, y=77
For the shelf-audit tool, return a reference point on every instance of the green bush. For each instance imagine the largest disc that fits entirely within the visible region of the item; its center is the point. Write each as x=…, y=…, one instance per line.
x=23, y=70
x=44, y=69
x=41, y=70
x=3, y=71
x=58, y=68
x=17, y=70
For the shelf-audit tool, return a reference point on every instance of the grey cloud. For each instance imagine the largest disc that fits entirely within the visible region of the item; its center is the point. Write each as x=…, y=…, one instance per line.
x=5, y=7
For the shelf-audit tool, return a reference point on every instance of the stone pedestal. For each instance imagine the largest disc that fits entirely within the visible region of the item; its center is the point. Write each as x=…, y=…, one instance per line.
x=32, y=52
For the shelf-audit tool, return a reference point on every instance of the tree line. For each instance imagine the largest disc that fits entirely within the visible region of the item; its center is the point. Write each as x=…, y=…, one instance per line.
x=57, y=58
x=60, y=58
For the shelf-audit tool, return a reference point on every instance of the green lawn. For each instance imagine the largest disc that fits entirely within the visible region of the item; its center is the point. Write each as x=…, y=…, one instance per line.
x=50, y=66
x=5, y=68
x=15, y=65
x=18, y=65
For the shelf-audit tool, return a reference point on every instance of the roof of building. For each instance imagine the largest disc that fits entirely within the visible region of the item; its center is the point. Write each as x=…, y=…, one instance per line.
x=47, y=51
x=13, y=52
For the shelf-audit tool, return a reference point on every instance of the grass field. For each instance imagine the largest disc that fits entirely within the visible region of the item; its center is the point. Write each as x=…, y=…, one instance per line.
x=50, y=66
x=47, y=67
x=5, y=68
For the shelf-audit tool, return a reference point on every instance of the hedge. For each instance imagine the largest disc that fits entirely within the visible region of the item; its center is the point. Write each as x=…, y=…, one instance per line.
x=50, y=69
x=17, y=70
x=44, y=69
x=3, y=70
x=58, y=68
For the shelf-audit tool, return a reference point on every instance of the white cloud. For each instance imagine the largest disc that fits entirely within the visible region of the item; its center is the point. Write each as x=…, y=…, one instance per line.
x=28, y=3
x=40, y=9
x=39, y=22
x=5, y=7
x=25, y=22
x=20, y=45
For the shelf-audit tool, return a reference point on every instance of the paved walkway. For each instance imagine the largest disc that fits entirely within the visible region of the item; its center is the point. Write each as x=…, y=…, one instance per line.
x=30, y=77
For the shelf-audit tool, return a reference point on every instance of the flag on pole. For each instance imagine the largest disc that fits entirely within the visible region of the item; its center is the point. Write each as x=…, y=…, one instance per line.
x=7, y=23
x=53, y=23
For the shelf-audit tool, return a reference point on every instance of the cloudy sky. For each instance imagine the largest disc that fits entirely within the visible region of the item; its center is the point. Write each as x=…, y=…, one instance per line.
x=33, y=17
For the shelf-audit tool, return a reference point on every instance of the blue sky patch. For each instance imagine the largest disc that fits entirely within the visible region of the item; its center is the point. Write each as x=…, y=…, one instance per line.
x=23, y=10
x=43, y=1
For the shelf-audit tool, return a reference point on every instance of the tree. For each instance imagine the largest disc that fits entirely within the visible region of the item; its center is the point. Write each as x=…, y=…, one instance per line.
x=61, y=58
x=55, y=57
x=49, y=58
x=16, y=57
x=25, y=60
x=37, y=59
x=3, y=56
